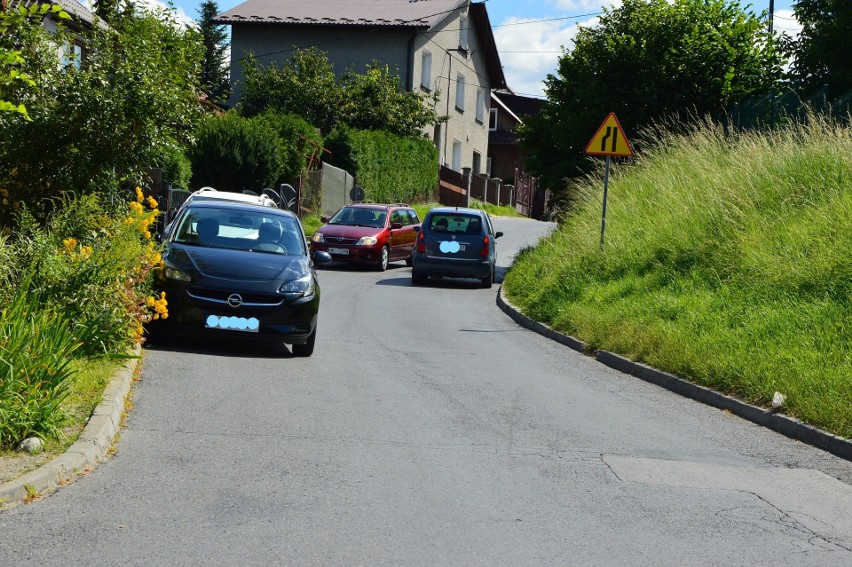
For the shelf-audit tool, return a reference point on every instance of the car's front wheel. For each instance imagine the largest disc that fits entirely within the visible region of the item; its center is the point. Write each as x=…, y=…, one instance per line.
x=384, y=259
x=306, y=349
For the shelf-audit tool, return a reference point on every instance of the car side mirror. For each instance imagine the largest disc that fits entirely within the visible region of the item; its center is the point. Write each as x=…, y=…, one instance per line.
x=323, y=220
x=396, y=225
x=321, y=258
x=416, y=228
x=158, y=237
x=498, y=234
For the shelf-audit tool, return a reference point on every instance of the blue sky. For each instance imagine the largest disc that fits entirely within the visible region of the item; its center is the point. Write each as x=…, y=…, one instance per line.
x=531, y=33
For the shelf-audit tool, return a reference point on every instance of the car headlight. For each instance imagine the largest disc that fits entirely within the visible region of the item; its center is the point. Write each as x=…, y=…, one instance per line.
x=175, y=274
x=302, y=287
x=367, y=241
x=318, y=237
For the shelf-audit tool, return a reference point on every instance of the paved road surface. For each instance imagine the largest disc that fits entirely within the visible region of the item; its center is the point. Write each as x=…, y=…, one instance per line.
x=429, y=429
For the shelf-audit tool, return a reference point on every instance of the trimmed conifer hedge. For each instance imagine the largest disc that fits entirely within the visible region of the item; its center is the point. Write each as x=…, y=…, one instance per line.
x=390, y=168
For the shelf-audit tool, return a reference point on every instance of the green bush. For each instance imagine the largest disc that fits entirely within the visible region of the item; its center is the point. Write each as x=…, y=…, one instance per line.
x=90, y=266
x=390, y=168
x=233, y=153
x=176, y=167
x=297, y=139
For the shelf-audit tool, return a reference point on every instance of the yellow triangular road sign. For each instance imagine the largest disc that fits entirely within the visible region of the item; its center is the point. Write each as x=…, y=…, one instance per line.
x=609, y=140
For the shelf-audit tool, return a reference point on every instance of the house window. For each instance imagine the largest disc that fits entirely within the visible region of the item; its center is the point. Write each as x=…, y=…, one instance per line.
x=426, y=71
x=463, y=29
x=480, y=105
x=488, y=166
x=492, y=120
x=460, y=92
x=457, y=149
x=72, y=55
x=477, y=162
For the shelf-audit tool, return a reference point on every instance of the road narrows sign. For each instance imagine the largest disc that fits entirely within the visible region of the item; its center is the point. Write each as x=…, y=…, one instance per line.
x=609, y=140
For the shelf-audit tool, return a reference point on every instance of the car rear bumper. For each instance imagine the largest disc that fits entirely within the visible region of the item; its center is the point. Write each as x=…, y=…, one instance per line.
x=426, y=266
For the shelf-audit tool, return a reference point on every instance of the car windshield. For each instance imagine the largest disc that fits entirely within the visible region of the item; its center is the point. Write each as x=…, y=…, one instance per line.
x=358, y=216
x=254, y=230
x=454, y=223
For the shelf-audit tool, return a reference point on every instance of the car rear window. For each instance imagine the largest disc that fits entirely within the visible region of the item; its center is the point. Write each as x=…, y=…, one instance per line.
x=455, y=223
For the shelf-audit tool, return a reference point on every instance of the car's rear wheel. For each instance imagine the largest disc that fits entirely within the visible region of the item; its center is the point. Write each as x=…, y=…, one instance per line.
x=385, y=259
x=306, y=349
x=489, y=279
x=409, y=261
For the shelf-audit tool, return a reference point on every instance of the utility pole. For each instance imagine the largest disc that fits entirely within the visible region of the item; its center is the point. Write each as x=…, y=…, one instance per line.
x=771, y=15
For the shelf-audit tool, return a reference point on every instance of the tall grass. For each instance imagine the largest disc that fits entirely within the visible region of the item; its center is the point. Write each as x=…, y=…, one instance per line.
x=36, y=348
x=728, y=261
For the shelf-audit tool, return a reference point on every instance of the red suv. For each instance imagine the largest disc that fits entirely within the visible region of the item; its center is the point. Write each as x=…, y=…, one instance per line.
x=365, y=233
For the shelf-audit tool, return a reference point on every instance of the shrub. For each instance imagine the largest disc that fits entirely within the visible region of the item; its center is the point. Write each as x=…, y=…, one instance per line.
x=93, y=268
x=390, y=168
x=233, y=153
x=297, y=139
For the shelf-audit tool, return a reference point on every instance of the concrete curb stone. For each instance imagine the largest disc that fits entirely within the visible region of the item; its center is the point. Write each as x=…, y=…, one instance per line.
x=778, y=422
x=91, y=446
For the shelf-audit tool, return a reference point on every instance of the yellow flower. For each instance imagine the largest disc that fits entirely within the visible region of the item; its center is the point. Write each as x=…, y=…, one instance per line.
x=86, y=251
x=151, y=302
x=139, y=195
x=5, y=201
x=152, y=202
x=70, y=244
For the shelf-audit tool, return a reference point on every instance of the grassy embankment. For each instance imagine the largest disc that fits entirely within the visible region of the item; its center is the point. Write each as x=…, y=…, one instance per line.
x=727, y=261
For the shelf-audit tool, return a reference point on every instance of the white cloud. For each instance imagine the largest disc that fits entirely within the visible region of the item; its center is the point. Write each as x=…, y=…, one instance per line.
x=530, y=50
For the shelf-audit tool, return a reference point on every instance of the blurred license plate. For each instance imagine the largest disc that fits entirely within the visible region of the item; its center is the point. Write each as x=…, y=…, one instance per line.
x=250, y=325
x=339, y=251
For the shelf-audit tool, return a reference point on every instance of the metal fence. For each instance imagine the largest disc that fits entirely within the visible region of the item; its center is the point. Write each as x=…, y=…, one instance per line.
x=775, y=109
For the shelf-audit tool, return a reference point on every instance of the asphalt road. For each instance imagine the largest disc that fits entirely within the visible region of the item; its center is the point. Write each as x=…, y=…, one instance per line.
x=429, y=429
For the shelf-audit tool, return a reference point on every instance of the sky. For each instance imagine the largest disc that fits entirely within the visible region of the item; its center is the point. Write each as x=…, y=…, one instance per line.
x=530, y=34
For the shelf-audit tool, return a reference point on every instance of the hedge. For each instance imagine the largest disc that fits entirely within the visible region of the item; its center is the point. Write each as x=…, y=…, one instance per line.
x=390, y=168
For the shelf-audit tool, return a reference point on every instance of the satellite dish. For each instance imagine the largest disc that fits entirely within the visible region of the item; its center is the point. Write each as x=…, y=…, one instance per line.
x=356, y=194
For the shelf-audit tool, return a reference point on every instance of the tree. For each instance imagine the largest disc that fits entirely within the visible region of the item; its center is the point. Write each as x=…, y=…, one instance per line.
x=214, y=66
x=646, y=61
x=15, y=26
x=821, y=53
x=97, y=127
x=373, y=101
x=306, y=85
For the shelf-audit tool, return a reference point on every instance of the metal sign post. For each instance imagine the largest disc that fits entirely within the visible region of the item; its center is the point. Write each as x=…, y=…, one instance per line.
x=608, y=141
x=606, y=188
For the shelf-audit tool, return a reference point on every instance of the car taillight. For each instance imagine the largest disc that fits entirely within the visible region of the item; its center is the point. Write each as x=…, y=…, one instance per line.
x=484, y=251
x=421, y=243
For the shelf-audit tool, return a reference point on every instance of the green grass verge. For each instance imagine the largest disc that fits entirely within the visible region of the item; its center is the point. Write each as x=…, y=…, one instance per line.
x=727, y=262
x=85, y=391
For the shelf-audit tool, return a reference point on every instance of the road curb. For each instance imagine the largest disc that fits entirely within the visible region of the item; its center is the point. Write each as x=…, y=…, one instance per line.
x=91, y=446
x=786, y=425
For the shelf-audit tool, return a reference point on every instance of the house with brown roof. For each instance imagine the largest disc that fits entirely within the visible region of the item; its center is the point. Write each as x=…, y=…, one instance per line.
x=76, y=51
x=436, y=46
x=508, y=111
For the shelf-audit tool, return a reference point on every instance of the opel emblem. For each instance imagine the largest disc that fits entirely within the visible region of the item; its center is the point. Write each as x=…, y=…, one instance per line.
x=234, y=300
